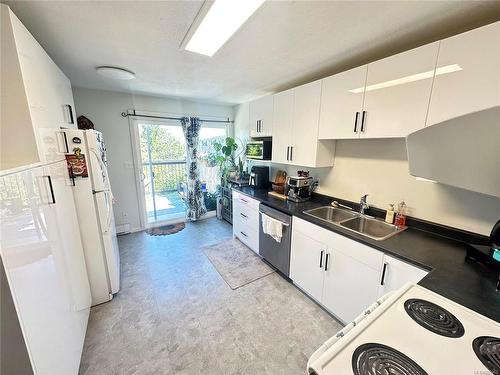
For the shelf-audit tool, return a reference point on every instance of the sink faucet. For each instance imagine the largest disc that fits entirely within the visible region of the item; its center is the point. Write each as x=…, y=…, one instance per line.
x=363, y=205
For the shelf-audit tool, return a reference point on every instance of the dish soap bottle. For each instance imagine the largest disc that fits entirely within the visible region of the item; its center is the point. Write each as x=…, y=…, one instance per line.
x=401, y=215
x=389, y=216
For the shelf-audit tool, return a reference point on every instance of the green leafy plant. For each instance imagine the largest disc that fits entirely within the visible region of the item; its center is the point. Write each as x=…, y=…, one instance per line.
x=224, y=157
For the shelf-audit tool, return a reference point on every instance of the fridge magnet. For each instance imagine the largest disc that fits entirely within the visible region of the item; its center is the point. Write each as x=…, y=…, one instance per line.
x=76, y=163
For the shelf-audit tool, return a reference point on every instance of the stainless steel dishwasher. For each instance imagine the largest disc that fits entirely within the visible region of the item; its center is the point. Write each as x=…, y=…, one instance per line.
x=276, y=253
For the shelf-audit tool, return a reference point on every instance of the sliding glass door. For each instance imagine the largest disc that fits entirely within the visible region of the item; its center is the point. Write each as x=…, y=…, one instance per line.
x=161, y=154
x=163, y=162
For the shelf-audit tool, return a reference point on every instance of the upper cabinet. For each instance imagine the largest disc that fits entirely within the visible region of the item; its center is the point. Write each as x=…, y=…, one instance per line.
x=40, y=93
x=295, y=131
x=384, y=99
x=283, y=125
x=261, y=117
x=341, y=104
x=397, y=93
x=468, y=74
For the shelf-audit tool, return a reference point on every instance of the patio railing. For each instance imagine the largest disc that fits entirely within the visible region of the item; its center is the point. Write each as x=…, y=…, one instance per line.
x=166, y=174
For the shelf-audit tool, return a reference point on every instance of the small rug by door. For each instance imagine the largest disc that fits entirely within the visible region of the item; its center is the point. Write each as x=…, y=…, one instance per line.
x=236, y=263
x=165, y=230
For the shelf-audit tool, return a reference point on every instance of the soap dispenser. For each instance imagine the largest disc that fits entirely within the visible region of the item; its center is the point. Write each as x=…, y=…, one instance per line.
x=391, y=213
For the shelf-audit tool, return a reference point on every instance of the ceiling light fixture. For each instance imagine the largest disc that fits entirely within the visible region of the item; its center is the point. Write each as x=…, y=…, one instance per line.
x=216, y=22
x=115, y=72
x=414, y=77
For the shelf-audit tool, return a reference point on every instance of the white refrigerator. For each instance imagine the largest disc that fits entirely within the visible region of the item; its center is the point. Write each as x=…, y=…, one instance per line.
x=94, y=204
x=44, y=264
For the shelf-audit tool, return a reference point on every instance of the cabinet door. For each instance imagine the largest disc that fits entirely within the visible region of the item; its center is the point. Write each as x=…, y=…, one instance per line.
x=261, y=117
x=397, y=273
x=397, y=93
x=350, y=286
x=305, y=124
x=467, y=75
x=341, y=100
x=282, y=126
x=306, y=260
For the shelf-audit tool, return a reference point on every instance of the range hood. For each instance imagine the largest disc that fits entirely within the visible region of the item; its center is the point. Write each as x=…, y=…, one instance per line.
x=462, y=152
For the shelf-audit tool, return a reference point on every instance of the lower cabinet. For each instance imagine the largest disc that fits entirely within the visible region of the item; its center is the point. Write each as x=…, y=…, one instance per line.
x=246, y=220
x=307, y=260
x=396, y=273
x=350, y=286
x=341, y=274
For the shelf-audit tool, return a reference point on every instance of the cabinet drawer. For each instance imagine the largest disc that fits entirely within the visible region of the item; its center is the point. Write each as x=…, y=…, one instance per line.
x=243, y=200
x=248, y=216
x=249, y=235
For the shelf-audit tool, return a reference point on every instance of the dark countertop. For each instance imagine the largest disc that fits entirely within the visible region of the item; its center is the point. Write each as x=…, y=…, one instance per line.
x=468, y=283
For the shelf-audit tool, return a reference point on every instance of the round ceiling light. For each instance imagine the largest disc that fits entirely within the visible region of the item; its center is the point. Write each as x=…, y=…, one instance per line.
x=115, y=72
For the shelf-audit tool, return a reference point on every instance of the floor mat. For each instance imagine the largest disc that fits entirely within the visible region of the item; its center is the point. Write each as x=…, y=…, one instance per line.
x=165, y=230
x=236, y=263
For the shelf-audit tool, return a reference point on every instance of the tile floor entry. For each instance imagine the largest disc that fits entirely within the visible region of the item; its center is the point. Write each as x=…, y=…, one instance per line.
x=176, y=315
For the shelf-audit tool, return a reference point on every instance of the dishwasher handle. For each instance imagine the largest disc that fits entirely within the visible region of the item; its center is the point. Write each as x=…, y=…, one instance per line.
x=282, y=223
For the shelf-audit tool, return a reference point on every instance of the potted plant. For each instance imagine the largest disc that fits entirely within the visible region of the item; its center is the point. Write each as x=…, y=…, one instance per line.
x=224, y=158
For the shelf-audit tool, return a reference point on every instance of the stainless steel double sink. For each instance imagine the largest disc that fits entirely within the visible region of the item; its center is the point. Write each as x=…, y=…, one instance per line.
x=362, y=224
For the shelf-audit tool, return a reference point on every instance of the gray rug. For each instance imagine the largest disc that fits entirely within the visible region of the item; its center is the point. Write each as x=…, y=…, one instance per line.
x=236, y=263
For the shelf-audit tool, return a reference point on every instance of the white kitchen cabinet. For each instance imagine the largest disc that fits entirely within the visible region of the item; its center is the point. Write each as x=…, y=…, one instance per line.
x=282, y=127
x=350, y=285
x=40, y=93
x=45, y=268
x=341, y=274
x=295, y=134
x=261, y=117
x=246, y=220
x=468, y=74
x=396, y=273
x=307, y=150
x=397, y=93
x=342, y=104
x=307, y=260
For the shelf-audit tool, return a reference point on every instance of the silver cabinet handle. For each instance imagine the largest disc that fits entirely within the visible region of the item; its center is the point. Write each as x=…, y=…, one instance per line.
x=356, y=122
x=291, y=153
x=243, y=233
x=321, y=258
x=242, y=214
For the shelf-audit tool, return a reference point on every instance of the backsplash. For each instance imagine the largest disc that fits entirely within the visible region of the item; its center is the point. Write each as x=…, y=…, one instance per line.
x=379, y=168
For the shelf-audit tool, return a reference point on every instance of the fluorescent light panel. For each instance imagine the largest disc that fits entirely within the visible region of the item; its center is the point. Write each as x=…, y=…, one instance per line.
x=414, y=77
x=222, y=20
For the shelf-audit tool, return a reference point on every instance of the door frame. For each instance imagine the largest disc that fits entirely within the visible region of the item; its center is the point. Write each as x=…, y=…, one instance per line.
x=137, y=162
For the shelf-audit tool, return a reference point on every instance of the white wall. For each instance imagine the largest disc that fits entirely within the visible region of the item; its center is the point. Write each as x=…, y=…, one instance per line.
x=379, y=167
x=104, y=109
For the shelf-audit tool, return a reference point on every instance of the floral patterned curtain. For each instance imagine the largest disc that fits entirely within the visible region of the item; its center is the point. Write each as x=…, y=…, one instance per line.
x=195, y=201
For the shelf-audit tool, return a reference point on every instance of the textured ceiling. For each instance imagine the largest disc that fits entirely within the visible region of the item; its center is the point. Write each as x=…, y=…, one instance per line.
x=283, y=44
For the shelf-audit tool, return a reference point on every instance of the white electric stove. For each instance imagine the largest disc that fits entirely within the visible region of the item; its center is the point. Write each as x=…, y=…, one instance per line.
x=415, y=331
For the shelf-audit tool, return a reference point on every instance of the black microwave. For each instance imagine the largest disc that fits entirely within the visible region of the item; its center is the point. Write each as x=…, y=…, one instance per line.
x=259, y=150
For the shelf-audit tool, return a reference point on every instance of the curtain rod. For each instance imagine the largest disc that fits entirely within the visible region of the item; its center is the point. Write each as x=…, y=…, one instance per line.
x=125, y=114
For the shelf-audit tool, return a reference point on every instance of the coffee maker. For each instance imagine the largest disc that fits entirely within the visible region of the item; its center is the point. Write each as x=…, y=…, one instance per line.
x=259, y=177
x=298, y=189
